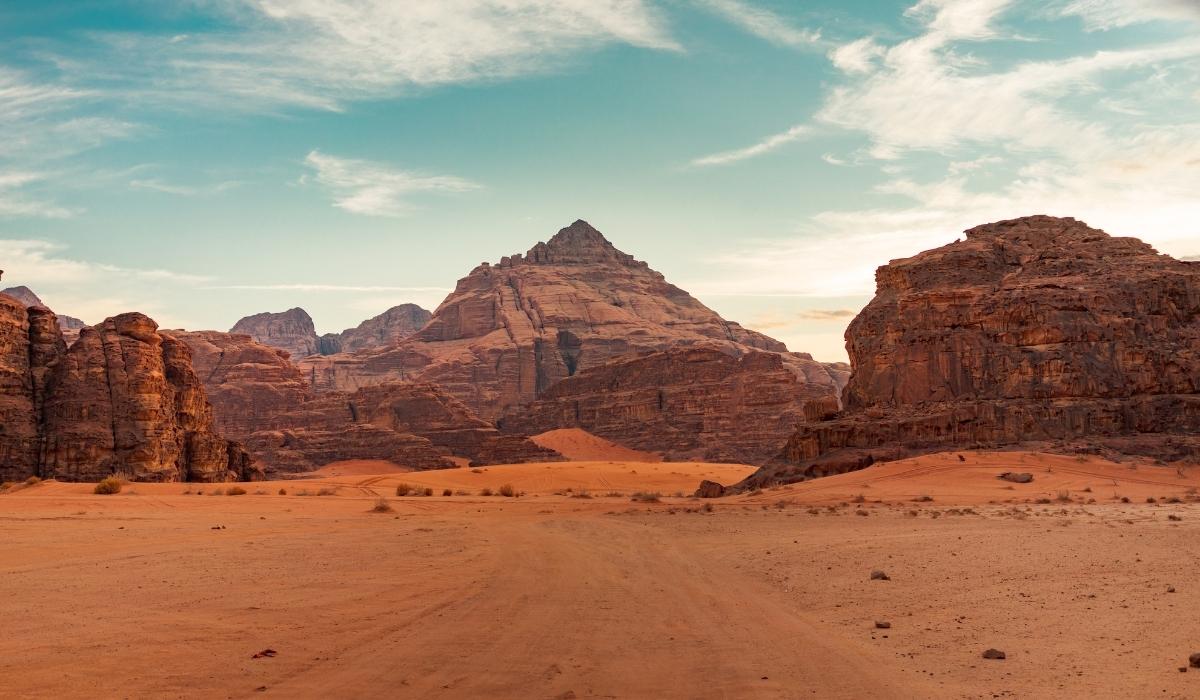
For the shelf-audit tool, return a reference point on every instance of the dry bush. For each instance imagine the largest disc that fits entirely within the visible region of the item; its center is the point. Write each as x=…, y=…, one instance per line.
x=108, y=486
x=461, y=492
x=613, y=494
x=507, y=491
x=582, y=493
x=1064, y=496
x=217, y=492
x=327, y=492
x=6, y=486
x=282, y=492
x=447, y=492
x=382, y=506
x=647, y=497
x=427, y=492
x=235, y=491
x=32, y=481
x=403, y=489
x=485, y=492
x=925, y=498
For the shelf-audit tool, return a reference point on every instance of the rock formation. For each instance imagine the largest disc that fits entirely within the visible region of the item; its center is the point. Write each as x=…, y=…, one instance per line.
x=69, y=325
x=695, y=403
x=122, y=400
x=260, y=398
x=382, y=331
x=1036, y=330
x=511, y=331
x=291, y=331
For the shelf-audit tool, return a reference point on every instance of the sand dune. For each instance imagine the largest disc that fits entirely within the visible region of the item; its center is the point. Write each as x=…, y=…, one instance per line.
x=551, y=596
x=581, y=446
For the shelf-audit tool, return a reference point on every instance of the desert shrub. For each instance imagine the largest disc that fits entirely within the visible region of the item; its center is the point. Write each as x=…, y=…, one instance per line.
x=581, y=494
x=447, y=492
x=403, y=489
x=461, y=492
x=708, y=507
x=1152, y=499
x=32, y=481
x=108, y=486
x=1173, y=499
x=1064, y=496
x=382, y=506
x=6, y=486
x=427, y=491
x=485, y=492
x=282, y=492
x=217, y=492
x=860, y=498
x=327, y=492
x=923, y=498
x=507, y=491
x=647, y=497
x=613, y=494
x=235, y=491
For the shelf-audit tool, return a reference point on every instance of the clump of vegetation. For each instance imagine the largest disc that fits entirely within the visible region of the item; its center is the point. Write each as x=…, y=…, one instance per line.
x=403, y=489
x=582, y=493
x=282, y=492
x=6, y=486
x=217, y=492
x=327, y=492
x=613, y=494
x=32, y=481
x=925, y=498
x=108, y=486
x=1152, y=499
x=485, y=491
x=382, y=506
x=860, y=498
x=235, y=491
x=647, y=497
x=427, y=492
x=708, y=507
x=1064, y=496
x=507, y=491
x=447, y=492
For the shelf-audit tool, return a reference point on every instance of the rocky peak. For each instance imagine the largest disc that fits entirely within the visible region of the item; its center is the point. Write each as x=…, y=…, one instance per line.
x=577, y=244
x=290, y=330
x=26, y=296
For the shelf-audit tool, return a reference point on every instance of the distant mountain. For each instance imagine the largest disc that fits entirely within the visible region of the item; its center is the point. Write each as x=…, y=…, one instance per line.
x=293, y=331
x=26, y=296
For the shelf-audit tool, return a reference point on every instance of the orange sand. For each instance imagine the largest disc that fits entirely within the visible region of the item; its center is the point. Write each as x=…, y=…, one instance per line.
x=552, y=596
x=581, y=446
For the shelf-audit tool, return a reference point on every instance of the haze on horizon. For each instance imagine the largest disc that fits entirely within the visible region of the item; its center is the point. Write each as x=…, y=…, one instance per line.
x=202, y=161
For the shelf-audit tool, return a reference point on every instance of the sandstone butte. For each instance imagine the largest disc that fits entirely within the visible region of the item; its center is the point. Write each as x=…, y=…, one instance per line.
x=70, y=325
x=122, y=400
x=260, y=398
x=293, y=331
x=1035, y=331
x=511, y=331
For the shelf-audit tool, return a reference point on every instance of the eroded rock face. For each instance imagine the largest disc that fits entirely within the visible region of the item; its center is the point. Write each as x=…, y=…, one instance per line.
x=688, y=404
x=1032, y=330
x=382, y=331
x=291, y=331
x=26, y=296
x=124, y=400
x=19, y=419
x=511, y=331
x=260, y=398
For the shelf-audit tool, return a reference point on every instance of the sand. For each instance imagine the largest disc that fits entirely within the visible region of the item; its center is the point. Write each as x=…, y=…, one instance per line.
x=552, y=596
x=581, y=446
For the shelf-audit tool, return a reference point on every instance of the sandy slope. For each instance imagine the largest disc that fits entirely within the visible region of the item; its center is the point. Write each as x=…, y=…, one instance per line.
x=547, y=596
x=581, y=446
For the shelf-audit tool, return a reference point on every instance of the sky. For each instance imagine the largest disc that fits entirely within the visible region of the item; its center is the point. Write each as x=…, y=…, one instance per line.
x=203, y=160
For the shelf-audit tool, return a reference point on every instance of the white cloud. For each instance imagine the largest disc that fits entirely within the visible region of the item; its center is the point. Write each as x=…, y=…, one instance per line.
x=857, y=56
x=764, y=23
x=765, y=146
x=372, y=189
x=15, y=201
x=69, y=285
x=1103, y=15
x=156, y=185
x=323, y=53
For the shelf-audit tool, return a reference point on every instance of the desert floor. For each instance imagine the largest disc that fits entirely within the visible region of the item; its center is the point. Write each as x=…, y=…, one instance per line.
x=170, y=590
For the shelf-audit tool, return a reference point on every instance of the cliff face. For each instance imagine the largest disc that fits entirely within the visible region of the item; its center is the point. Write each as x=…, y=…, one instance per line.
x=512, y=330
x=122, y=400
x=291, y=331
x=382, y=331
x=259, y=397
x=693, y=403
x=1038, y=329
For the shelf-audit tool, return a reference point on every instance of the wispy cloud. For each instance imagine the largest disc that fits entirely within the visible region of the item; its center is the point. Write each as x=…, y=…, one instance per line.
x=372, y=189
x=156, y=185
x=15, y=201
x=1103, y=15
x=765, y=146
x=764, y=23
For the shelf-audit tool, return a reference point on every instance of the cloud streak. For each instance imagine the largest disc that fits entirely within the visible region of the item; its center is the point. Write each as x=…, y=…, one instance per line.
x=372, y=189
x=762, y=147
x=764, y=24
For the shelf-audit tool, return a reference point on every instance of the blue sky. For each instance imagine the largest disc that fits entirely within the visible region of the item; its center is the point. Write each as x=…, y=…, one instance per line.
x=201, y=161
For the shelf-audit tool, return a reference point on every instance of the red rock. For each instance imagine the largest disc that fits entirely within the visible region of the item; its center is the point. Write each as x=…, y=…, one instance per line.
x=1036, y=330
x=698, y=403
x=512, y=330
x=19, y=436
x=26, y=296
x=291, y=331
x=124, y=400
x=382, y=331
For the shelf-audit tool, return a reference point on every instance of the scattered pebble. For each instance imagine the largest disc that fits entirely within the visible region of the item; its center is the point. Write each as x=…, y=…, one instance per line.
x=994, y=654
x=882, y=625
x=878, y=575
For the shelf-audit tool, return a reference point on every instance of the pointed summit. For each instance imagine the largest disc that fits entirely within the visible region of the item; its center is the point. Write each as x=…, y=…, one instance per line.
x=579, y=243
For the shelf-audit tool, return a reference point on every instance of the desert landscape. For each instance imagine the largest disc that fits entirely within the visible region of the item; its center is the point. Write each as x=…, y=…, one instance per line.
x=358, y=349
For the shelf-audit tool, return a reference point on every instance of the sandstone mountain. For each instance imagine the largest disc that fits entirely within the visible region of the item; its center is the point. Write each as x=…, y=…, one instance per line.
x=293, y=331
x=70, y=325
x=695, y=403
x=1035, y=330
x=122, y=400
x=260, y=398
x=511, y=331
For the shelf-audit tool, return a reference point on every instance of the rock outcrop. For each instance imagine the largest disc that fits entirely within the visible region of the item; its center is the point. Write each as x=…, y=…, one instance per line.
x=291, y=331
x=695, y=403
x=382, y=331
x=122, y=400
x=69, y=325
x=1036, y=330
x=511, y=331
x=260, y=398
